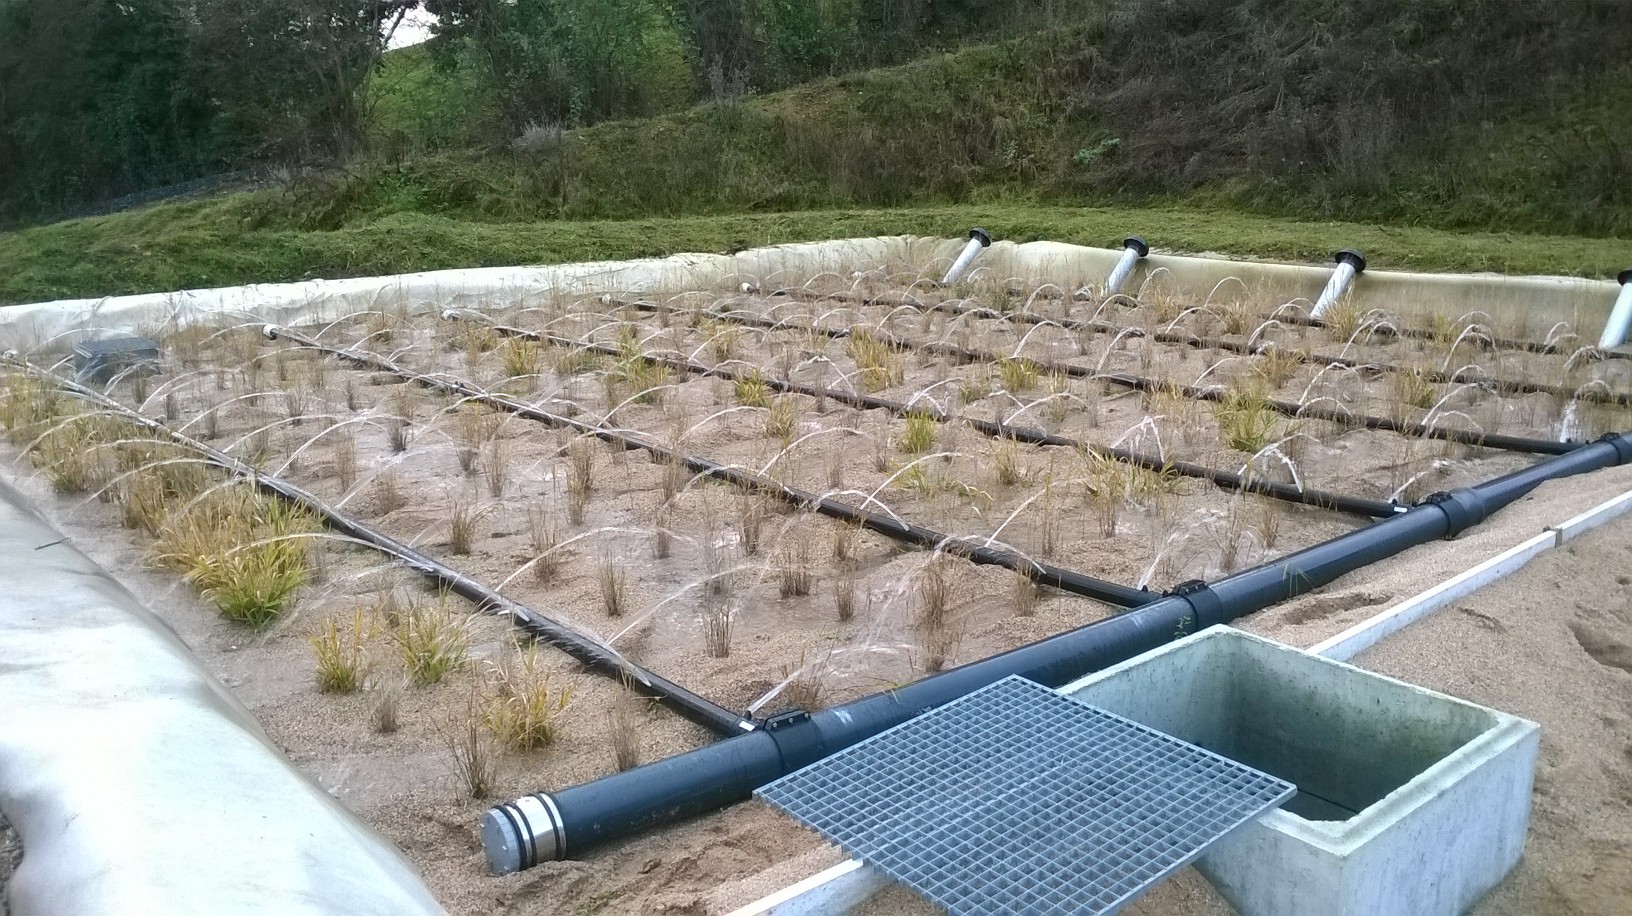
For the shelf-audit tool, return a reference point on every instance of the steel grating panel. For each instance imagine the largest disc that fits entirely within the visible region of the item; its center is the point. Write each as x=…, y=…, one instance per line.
x=1018, y=799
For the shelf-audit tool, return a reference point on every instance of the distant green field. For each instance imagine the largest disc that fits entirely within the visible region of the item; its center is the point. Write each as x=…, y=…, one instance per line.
x=212, y=244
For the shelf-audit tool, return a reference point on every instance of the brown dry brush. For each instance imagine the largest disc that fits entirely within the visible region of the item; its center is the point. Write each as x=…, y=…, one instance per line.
x=614, y=585
x=793, y=566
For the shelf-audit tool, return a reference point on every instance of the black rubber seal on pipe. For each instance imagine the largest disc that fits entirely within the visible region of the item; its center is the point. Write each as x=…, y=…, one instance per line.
x=1624, y=277
x=1353, y=258
x=1137, y=244
x=982, y=236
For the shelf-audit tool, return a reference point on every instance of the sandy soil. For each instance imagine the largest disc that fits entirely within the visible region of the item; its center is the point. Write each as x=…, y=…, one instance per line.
x=403, y=782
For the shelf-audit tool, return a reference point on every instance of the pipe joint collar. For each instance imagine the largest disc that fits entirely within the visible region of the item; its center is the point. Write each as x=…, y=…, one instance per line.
x=1205, y=607
x=1137, y=244
x=1463, y=509
x=1353, y=258
x=1624, y=277
x=980, y=235
x=798, y=740
x=1622, y=443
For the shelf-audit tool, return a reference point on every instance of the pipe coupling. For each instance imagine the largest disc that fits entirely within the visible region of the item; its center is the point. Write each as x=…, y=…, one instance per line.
x=1622, y=443
x=1463, y=509
x=1205, y=607
x=1137, y=244
x=1353, y=258
x=980, y=235
x=1624, y=277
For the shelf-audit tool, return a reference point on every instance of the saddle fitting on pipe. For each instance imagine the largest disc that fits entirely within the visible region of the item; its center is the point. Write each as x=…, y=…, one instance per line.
x=1133, y=249
x=978, y=239
x=1620, y=318
x=1349, y=263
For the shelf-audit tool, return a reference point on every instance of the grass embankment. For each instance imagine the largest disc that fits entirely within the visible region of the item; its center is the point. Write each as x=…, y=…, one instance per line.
x=207, y=244
x=1078, y=136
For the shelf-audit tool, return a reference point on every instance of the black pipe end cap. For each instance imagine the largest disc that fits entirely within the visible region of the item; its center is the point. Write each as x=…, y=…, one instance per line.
x=1624, y=277
x=982, y=236
x=1137, y=244
x=1352, y=257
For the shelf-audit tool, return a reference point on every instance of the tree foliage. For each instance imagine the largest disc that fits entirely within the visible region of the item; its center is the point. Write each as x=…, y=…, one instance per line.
x=105, y=97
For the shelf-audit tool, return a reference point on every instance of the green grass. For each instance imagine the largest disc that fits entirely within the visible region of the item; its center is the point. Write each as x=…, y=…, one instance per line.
x=206, y=244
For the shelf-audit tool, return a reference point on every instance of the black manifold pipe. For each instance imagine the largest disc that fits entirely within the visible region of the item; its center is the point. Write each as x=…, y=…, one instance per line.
x=573, y=821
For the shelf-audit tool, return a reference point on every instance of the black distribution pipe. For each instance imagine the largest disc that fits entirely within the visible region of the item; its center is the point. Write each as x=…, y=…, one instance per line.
x=1244, y=348
x=592, y=654
x=1045, y=574
x=573, y=821
x=1285, y=408
x=1373, y=508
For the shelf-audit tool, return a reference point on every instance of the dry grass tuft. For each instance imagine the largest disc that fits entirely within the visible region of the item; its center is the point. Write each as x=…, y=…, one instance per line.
x=844, y=597
x=463, y=517
x=880, y=365
x=386, y=715
x=1026, y=594
x=1018, y=375
x=1006, y=463
x=782, y=419
x=431, y=641
x=247, y=553
x=614, y=585
x=521, y=356
x=1246, y=421
x=751, y=389
x=625, y=730
x=919, y=434
x=342, y=652
x=522, y=707
x=794, y=576
x=475, y=760
x=718, y=616
x=544, y=535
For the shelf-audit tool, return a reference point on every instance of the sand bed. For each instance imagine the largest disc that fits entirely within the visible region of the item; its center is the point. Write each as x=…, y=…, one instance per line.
x=669, y=539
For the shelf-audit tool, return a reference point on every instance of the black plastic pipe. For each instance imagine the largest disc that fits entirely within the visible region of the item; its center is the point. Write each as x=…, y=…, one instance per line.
x=1246, y=348
x=1045, y=574
x=573, y=821
x=593, y=655
x=1285, y=408
x=1372, y=508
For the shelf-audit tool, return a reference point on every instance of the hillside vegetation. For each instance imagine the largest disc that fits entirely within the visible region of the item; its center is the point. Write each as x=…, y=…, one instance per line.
x=1487, y=134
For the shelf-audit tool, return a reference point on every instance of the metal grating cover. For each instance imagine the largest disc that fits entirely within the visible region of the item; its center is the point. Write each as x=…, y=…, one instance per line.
x=1019, y=799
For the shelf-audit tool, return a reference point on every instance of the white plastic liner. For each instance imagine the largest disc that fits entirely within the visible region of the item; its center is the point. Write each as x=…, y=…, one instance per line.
x=137, y=782
x=1542, y=301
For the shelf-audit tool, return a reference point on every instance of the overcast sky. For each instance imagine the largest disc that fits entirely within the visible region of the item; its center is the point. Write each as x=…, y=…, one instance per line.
x=415, y=28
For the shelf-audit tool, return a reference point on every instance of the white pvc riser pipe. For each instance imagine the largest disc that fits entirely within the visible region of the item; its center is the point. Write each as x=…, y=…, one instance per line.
x=1133, y=248
x=1349, y=264
x=1620, y=319
x=978, y=239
